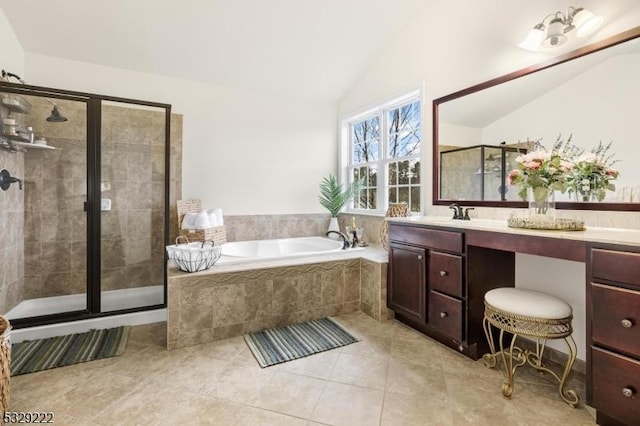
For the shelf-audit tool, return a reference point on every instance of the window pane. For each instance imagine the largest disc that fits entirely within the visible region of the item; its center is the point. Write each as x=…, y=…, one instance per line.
x=415, y=199
x=404, y=125
x=373, y=176
x=372, y=198
x=403, y=172
x=364, y=175
x=415, y=170
x=403, y=194
x=393, y=173
x=393, y=194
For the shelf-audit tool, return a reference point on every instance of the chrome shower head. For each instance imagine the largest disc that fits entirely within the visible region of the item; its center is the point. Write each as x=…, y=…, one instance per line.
x=55, y=116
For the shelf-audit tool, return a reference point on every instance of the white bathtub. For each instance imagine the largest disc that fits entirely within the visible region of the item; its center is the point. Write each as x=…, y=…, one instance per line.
x=279, y=248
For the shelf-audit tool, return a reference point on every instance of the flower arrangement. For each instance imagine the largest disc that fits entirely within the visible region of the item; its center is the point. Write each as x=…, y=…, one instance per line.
x=592, y=174
x=541, y=172
x=565, y=168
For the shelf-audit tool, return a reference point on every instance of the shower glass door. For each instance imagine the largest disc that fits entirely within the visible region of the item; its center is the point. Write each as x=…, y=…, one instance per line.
x=133, y=206
x=43, y=233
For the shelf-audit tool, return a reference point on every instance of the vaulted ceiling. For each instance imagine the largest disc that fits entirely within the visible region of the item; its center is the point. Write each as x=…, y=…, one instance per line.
x=303, y=48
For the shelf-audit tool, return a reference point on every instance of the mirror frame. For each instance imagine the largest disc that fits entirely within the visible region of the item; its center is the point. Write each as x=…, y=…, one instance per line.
x=574, y=54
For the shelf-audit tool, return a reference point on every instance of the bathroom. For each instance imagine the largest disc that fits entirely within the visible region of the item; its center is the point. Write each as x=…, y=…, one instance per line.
x=256, y=141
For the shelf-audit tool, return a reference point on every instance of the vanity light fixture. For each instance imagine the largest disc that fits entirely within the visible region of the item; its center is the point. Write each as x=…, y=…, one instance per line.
x=552, y=30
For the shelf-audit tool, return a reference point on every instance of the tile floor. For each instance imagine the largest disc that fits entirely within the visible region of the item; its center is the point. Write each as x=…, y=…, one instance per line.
x=394, y=376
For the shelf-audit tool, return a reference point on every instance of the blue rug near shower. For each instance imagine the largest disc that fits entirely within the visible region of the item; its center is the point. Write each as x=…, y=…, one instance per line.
x=42, y=354
x=282, y=344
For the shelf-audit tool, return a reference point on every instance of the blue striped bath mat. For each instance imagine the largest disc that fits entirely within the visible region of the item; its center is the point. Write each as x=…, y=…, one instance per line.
x=42, y=354
x=278, y=345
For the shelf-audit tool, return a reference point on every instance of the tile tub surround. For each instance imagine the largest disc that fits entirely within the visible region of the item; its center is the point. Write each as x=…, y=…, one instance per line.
x=233, y=300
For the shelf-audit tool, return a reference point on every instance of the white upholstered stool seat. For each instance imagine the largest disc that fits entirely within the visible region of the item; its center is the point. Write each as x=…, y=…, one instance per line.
x=532, y=314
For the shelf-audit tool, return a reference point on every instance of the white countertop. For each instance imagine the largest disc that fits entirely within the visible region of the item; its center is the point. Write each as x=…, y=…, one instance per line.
x=590, y=234
x=374, y=254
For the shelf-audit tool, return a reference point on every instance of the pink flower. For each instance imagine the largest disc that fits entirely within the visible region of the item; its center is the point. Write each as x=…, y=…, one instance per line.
x=532, y=164
x=513, y=175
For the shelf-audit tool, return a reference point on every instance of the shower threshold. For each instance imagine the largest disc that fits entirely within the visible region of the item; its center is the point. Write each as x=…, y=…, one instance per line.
x=110, y=300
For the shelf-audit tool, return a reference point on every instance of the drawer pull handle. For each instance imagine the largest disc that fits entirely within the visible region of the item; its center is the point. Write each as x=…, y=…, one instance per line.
x=443, y=273
x=419, y=257
x=628, y=392
x=626, y=323
x=443, y=314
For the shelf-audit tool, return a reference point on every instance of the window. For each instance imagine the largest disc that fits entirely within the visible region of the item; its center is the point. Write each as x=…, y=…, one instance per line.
x=382, y=147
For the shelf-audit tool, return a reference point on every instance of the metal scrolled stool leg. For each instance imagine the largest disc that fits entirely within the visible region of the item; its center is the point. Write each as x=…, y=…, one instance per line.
x=531, y=314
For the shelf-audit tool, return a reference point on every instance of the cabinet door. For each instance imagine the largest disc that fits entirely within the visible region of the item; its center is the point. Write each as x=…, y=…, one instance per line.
x=407, y=283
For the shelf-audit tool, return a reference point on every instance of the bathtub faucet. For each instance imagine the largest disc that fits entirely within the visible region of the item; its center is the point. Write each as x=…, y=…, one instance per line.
x=345, y=239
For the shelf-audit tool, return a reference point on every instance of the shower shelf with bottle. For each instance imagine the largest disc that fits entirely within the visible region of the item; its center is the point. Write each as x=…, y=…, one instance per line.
x=14, y=138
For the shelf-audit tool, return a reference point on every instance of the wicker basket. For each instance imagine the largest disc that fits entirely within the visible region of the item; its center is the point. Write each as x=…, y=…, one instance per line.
x=217, y=234
x=394, y=210
x=5, y=361
x=194, y=257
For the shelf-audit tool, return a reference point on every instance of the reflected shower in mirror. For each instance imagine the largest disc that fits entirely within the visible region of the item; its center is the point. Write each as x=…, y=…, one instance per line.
x=589, y=95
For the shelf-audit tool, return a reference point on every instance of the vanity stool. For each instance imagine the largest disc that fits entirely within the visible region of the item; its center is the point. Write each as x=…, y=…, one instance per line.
x=518, y=312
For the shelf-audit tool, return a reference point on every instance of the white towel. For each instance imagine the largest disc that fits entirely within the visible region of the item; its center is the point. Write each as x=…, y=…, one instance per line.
x=189, y=221
x=202, y=220
x=215, y=217
x=219, y=217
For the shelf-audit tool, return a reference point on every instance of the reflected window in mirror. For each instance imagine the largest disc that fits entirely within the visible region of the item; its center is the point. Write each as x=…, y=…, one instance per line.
x=382, y=148
x=589, y=95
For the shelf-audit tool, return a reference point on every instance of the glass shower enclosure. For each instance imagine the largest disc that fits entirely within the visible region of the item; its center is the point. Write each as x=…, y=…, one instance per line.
x=478, y=173
x=85, y=236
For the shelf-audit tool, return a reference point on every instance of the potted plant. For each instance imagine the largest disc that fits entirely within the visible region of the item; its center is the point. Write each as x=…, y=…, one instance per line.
x=333, y=197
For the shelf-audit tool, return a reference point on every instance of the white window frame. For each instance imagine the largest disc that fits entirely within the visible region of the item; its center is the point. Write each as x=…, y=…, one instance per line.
x=345, y=151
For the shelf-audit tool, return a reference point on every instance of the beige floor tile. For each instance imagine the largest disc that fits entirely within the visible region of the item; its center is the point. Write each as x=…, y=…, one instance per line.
x=414, y=410
x=369, y=372
x=238, y=383
x=202, y=410
x=318, y=365
x=290, y=394
x=102, y=392
x=417, y=350
x=348, y=405
x=190, y=372
x=371, y=346
x=257, y=416
x=225, y=349
x=411, y=379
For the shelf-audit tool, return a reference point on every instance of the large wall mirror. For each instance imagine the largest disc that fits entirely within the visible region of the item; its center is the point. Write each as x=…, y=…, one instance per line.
x=591, y=95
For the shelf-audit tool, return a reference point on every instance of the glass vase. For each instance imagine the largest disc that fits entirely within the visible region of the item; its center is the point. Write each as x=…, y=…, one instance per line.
x=542, y=204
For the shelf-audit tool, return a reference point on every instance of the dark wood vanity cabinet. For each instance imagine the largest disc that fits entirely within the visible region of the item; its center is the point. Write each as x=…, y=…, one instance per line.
x=613, y=334
x=406, y=292
x=431, y=288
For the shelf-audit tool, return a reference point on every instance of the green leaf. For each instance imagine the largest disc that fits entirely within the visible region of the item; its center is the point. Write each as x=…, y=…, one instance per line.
x=333, y=197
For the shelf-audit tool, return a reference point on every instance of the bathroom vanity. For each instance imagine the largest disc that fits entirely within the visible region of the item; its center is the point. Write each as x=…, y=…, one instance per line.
x=439, y=270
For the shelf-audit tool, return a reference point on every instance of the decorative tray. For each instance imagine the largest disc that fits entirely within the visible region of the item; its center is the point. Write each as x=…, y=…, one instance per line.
x=557, y=224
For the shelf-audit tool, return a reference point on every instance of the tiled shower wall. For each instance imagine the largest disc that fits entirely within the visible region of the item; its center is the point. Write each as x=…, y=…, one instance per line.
x=11, y=229
x=55, y=192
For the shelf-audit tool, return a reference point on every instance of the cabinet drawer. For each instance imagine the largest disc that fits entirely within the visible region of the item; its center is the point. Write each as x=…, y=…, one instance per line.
x=445, y=314
x=617, y=266
x=616, y=318
x=616, y=383
x=432, y=238
x=445, y=273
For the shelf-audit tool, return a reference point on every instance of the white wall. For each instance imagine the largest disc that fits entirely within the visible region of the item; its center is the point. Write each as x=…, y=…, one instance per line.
x=246, y=152
x=11, y=52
